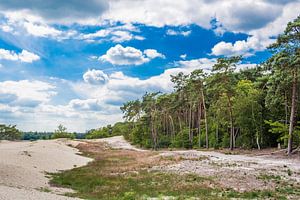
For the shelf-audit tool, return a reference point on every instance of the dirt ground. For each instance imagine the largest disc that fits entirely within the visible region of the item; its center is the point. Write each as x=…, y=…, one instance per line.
x=241, y=170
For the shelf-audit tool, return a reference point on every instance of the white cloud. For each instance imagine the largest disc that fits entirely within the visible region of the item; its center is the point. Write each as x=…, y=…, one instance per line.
x=201, y=63
x=115, y=34
x=6, y=28
x=26, y=92
x=95, y=77
x=234, y=15
x=87, y=104
x=183, y=56
x=24, y=56
x=119, y=55
x=260, y=38
x=174, y=32
x=152, y=53
x=229, y=49
x=41, y=30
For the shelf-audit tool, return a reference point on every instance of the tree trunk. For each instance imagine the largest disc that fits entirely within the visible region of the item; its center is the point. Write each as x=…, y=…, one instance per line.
x=173, y=129
x=190, y=126
x=179, y=121
x=257, y=142
x=231, y=123
x=199, y=125
x=286, y=108
x=293, y=112
x=205, y=119
x=217, y=135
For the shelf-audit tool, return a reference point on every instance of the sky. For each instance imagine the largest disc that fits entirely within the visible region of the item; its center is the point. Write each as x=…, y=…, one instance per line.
x=76, y=62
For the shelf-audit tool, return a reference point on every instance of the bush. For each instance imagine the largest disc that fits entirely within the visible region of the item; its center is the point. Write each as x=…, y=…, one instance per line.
x=61, y=132
x=9, y=132
x=97, y=133
x=181, y=139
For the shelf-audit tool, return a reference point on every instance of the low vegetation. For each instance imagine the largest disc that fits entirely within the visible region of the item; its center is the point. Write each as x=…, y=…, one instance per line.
x=117, y=129
x=125, y=174
x=9, y=132
x=62, y=132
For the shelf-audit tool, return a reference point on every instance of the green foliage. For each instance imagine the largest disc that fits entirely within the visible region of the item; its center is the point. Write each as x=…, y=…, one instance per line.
x=98, y=133
x=181, y=140
x=9, y=132
x=36, y=136
x=119, y=128
x=61, y=132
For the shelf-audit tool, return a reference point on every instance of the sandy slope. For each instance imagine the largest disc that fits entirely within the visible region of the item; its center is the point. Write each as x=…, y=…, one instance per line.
x=23, y=166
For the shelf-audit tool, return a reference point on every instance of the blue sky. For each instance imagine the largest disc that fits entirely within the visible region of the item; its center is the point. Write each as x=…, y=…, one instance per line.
x=75, y=62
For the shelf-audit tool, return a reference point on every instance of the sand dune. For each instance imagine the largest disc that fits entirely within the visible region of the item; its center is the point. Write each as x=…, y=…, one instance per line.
x=23, y=167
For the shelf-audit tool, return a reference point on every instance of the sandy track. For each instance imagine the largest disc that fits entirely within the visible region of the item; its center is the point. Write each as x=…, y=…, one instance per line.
x=239, y=172
x=117, y=142
x=23, y=166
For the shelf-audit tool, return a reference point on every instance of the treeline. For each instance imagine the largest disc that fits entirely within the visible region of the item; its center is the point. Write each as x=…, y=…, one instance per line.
x=10, y=132
x=117, y=129
x=250, y=108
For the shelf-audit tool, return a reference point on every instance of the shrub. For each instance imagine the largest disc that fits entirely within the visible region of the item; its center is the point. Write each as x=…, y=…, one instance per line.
x=9, y=132
x=61, y=132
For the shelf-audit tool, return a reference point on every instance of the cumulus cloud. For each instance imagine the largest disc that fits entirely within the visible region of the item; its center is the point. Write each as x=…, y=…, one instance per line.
x=260, y=38
x=24, y=56
x=95, y=77
x=229, y=49
x=26, y=93
x=119, y=55
x=152, y=53
x=234, y=15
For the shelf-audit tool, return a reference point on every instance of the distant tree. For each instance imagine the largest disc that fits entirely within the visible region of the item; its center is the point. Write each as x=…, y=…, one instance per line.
x=61, y=132
x=9, y=132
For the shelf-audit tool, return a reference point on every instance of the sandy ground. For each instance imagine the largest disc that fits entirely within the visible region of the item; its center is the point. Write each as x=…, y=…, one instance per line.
x=117, y=142
x=239, y=172
x=23, y=167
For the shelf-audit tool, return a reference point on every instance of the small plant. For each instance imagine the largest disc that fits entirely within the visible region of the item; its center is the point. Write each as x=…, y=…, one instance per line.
x=289, y=172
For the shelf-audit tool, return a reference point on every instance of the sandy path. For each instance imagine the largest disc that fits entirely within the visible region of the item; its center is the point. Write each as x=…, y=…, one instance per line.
x=23, y=166
x=240, y=172
x=117, y=142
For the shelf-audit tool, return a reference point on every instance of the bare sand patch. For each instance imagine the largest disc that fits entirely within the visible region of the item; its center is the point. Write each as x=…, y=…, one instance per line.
x=23, y=167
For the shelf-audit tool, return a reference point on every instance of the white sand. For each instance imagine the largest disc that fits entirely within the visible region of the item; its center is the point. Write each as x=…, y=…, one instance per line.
x=23, y=166
x=117, y=142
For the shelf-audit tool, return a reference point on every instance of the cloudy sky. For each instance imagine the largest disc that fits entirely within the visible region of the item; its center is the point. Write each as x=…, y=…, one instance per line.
x=75, y=62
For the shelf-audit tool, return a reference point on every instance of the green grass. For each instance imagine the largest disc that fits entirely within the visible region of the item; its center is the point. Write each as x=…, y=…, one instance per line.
x=134, y=185
x=269, y=177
